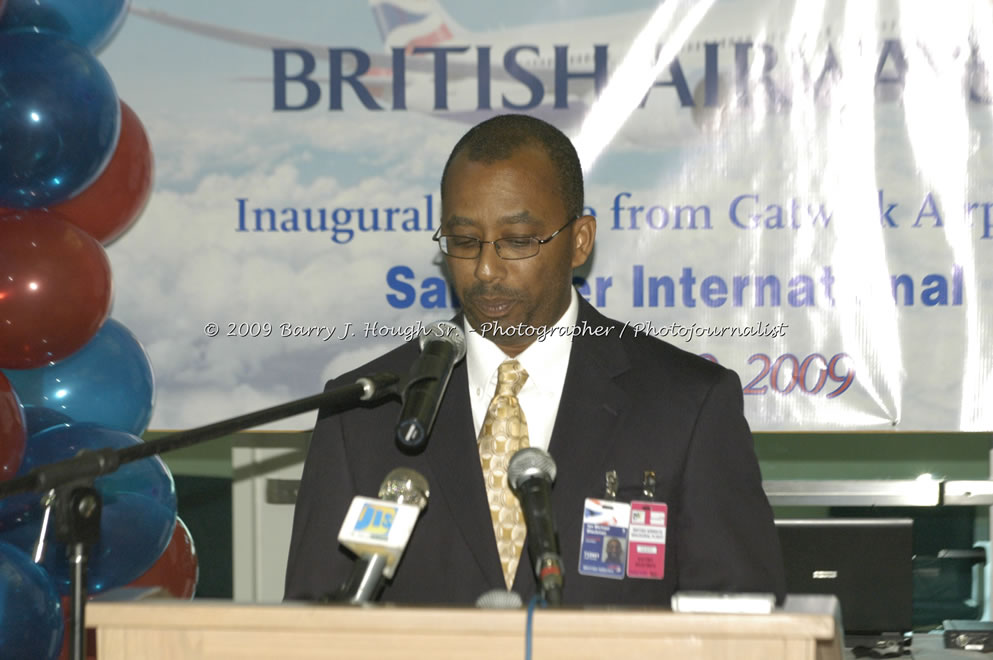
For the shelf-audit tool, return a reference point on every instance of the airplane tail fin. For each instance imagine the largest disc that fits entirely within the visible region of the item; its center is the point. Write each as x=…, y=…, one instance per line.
x=412, y=23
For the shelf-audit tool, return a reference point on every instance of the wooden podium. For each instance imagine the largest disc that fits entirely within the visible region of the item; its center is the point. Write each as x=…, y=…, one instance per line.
x=161, y=629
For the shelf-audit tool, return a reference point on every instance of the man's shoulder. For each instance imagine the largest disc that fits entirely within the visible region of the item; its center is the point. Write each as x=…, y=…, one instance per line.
x=672, y=356
x=646, y=351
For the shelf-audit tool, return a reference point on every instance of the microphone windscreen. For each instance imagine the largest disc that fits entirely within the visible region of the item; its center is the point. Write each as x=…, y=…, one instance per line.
x=406, y=486
x=500, y=599
x=447, y=331
x=527, y=463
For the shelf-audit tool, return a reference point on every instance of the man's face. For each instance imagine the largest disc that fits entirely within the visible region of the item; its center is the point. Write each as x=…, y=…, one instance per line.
x=516, y=197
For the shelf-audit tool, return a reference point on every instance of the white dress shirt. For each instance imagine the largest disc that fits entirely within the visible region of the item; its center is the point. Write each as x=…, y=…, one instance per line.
x=545, y=361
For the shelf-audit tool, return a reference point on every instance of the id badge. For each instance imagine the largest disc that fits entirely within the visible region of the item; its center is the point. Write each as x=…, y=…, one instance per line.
x=646, y=540
x=603, y=548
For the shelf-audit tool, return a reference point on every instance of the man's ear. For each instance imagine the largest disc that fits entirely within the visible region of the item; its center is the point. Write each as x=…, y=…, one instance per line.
x=583, y=235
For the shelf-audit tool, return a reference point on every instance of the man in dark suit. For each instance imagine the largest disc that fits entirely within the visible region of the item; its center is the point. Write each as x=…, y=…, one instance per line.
x=605, y=398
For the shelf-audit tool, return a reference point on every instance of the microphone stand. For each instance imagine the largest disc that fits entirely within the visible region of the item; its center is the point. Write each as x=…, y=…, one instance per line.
x=360, y=586
x=77, y=502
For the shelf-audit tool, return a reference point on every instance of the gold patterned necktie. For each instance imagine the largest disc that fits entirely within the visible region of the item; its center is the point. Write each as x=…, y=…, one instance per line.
x=504, y=432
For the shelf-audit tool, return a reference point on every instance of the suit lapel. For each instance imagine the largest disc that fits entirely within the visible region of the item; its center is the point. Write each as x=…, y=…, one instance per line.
x=590, y=407
x=454, y=459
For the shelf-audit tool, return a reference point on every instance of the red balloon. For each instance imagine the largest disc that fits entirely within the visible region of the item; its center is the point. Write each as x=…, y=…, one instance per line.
x=55, y=288
x=13, y=430
x=112, y=203
x=177, y=570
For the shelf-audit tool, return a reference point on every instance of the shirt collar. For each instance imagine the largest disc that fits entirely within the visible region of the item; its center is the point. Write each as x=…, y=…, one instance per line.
x=539, y=359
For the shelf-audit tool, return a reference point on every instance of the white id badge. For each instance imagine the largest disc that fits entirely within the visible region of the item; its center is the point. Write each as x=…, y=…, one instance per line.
x=603, y=547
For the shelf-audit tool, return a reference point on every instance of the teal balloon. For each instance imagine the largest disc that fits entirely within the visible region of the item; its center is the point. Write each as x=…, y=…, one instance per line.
x=14, y=509
x=60, y=119
x=31, y=624
x=108, y=382
x=41, y=419
x=139, y=509
x=89, y=23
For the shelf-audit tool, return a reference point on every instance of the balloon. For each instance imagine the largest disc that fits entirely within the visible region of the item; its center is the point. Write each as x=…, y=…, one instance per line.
x=59, y=119
x=108, y=207
x=12, y=430
x=139, y=509
x=40, y=419
x=115, y=200
x=14, y=509
x=89, y=23
x=30, y=612
x=177, y=569
x=108, y=381
x=55, y=288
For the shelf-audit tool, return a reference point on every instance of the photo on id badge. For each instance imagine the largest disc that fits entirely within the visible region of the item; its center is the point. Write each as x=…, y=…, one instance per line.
x=604, y=543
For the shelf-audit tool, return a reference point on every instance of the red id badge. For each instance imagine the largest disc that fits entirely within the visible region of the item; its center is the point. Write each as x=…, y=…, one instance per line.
x=646, y=540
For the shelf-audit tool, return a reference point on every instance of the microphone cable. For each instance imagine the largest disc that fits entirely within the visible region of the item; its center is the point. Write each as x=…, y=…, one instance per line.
x=536, y=601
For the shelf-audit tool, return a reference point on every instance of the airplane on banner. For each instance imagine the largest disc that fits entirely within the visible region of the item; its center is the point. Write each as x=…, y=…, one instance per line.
x=715, y=65
x=431, y=63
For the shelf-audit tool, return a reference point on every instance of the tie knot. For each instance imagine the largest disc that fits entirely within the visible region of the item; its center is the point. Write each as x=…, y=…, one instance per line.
x=511, y=377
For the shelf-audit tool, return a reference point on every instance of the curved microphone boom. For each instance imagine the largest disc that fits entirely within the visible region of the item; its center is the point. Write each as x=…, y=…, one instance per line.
x=530, y=473
x=442, y=346
x=377, y=530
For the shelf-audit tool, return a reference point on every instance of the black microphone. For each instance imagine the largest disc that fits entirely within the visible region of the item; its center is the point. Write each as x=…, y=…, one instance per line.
x=442, y=345
x=378, y=532
x=530, y=474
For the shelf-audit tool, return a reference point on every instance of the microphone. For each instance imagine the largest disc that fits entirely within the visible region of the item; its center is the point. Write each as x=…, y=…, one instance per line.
x=442, y=345
x=499, y=599
x=530, y=474
x=377, y=530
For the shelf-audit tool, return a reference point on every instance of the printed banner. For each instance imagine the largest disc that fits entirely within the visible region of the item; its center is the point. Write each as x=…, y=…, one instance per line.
x=800, y=192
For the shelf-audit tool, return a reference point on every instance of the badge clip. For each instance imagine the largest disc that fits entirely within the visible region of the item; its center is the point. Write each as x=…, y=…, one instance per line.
x=648, y=484
x=610, y=484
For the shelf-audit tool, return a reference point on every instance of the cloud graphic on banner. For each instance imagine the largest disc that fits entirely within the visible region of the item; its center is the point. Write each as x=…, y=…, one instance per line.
x=204, y=271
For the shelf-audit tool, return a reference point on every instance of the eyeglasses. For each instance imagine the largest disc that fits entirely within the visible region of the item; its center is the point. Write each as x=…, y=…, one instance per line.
x=510, y=248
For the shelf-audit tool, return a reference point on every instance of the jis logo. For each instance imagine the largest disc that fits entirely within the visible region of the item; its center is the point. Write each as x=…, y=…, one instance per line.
x=376, y=520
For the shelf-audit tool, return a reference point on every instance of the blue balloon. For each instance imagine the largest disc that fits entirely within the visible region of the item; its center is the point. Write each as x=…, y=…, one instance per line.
x=89, y=23
x=40, y=419
x=108, y=382
x=31, y=624
x=15, y=509
x=60, y=119
x=139, y=509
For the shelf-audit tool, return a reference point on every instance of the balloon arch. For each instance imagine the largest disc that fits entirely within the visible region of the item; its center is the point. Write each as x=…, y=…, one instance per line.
x=76, y=173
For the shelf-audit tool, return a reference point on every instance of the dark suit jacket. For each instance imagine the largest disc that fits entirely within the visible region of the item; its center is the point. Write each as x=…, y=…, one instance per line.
x=629, y=404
